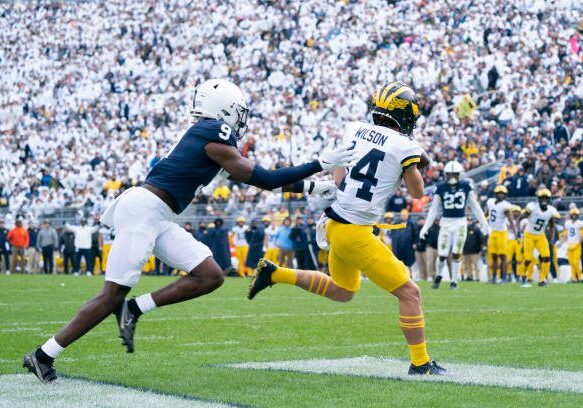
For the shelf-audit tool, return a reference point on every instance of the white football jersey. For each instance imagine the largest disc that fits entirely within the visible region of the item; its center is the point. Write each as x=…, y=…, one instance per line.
x=511, y=234
x=270, y=232
x=497, y=214
x=573, y=231
x=383, y=155
x=538, y=219
x=239, y=235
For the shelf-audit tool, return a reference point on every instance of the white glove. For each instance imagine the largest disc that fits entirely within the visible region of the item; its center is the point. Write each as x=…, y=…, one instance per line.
x=486, y=230
x=423, y=234
x=210, y=187
x=342, y=156
x=324, y=188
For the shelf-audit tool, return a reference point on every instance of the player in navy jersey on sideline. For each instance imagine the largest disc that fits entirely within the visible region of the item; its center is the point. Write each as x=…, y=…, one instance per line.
x=142, y=218
x=450, y=199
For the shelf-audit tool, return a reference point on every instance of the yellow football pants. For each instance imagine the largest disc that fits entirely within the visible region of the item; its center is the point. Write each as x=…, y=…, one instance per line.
x=272, y=254
x=241, y=255
x=354, y=249
x=541, y=244
x=515, y=252
x=574, y=257
x=498, y=242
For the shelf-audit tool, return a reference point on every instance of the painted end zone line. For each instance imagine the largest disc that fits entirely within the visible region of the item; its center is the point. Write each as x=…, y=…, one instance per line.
x=24, y=390
x=467, y=374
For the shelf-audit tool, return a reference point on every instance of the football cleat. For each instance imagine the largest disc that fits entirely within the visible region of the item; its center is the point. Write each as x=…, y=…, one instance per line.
x=436, y=282
x=126, y=323
x=429, y=368
x=453, y=285
x=541, y=284
x=44, y=372
x=261, y=278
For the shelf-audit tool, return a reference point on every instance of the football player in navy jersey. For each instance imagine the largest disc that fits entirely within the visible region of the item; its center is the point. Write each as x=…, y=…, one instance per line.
x=450, y=200
x=142, y=218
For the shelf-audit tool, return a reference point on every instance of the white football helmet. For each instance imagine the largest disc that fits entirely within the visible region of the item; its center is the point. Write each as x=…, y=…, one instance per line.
x=223, y=100
x=453, y=171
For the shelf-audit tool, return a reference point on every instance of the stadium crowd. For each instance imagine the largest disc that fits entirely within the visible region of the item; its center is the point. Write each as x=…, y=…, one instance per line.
x=93, y=94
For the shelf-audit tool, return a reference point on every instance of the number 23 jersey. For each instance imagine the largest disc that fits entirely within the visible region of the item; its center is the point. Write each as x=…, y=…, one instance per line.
x=454, y=198
x=383, y=156
x=538, y=219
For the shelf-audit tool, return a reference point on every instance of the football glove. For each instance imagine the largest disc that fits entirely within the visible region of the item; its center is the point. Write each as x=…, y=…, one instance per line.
x=342, y=156
x=423, y=234
x=326, y=189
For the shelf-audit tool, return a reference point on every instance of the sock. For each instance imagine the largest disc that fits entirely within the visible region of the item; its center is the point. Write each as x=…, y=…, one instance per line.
x=456, y=266
x=50, y=350
x=545, y=268
x=419, y=354
x=319, y=283
x=284, y=275
x=144, y=303
x=520, y=270
x=440, y=267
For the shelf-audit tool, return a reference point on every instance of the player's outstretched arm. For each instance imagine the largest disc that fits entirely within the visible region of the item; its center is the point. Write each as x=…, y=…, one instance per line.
x=434, y=211
x=477, y=210
x=244, y=170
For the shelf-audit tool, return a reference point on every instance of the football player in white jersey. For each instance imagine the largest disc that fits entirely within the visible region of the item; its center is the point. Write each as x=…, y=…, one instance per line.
x=271, y=249
x=539, y=215
x=241, y=245
x=386, y=155
x=499, y=214
x=450, y=200
x=574, y=227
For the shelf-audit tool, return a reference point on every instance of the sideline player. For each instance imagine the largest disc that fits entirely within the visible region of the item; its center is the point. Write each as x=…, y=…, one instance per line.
x=386, y=155
x=271, y=250
x=574, y=228
x=142, y=219
x=539, y=215
x=499, y=214
x=515, y=250
x=450, y=200
x=241, y=246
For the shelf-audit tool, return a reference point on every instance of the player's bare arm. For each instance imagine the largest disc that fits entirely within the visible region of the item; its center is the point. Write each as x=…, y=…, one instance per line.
x=414, y=181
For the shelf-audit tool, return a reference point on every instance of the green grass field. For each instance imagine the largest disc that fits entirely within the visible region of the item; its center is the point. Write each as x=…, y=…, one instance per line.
x=178, y=347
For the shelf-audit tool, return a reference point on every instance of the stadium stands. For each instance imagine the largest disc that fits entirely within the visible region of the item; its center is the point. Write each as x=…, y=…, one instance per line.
x=93, y=93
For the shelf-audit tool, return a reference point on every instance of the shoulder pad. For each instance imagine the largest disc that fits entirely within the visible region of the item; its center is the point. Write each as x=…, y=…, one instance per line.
x=215, y=131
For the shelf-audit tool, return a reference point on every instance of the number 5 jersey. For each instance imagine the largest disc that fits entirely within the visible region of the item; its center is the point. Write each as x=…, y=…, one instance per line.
x=383, y=156
x=538, y=219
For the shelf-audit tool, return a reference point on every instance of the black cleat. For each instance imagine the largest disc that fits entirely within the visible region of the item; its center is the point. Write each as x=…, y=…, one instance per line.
x=261, y=277
x=429, y=368
x=126, y=323
x=453, y=285
x=436, y=282
x=542, y=284
x=44, y=372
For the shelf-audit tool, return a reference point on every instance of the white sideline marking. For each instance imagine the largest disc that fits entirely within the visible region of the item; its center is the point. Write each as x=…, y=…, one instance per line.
x=20, y=390
x=466, y=374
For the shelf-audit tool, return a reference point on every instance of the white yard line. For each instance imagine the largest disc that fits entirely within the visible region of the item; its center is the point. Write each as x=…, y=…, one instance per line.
x=464, y=374
x=20, y=390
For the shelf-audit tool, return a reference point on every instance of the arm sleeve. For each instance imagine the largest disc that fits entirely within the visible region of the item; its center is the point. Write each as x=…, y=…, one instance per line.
x=270, y=179
x=477, y=210
x=434, y=211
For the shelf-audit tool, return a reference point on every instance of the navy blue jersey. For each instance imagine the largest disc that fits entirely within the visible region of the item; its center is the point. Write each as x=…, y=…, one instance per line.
x=187, y=167
x=454, y=198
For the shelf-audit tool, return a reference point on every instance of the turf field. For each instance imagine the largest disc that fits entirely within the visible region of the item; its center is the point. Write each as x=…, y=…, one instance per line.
x=182, y=350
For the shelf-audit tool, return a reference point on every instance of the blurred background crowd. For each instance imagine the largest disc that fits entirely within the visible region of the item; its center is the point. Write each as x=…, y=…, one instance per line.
x=92, y=94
